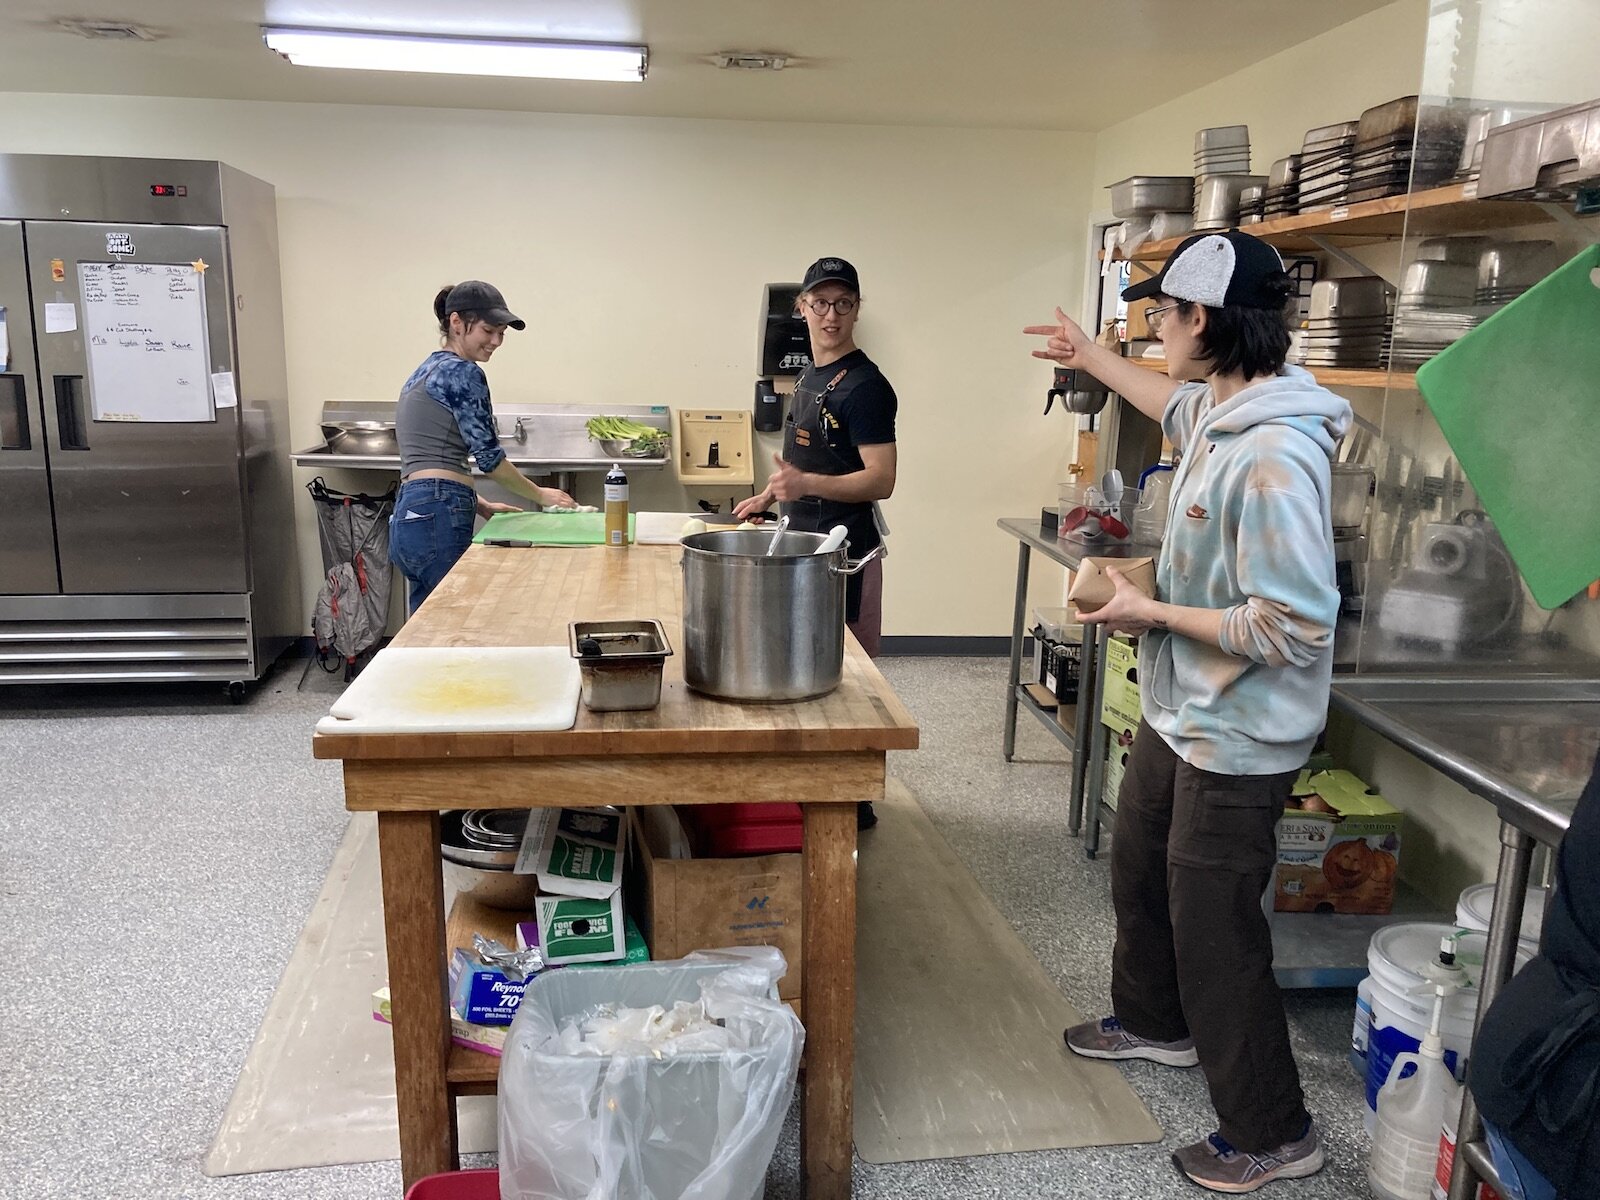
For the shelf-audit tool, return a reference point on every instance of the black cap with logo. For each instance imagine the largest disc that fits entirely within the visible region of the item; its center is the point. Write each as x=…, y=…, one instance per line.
x=831, y=270
x=484, y=299
x=1219, y=270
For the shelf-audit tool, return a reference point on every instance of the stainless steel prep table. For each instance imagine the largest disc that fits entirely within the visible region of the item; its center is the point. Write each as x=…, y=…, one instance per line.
x=1088, y=737
x=1527, y=746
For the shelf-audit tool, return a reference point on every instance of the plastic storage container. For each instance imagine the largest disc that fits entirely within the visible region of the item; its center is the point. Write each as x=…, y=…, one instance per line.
x=639, y=1127
x=1402, y=1002
x=1476, y=905
x=482, y=1183
x=1087, y=517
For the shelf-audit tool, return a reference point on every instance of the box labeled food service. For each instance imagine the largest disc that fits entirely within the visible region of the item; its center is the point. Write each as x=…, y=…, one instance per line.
x=1338, y=847
x=583, y=931
x=576, y=852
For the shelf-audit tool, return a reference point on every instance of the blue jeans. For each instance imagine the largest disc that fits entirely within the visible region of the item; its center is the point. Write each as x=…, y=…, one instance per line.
x=1521, y=1178
x=431, y=528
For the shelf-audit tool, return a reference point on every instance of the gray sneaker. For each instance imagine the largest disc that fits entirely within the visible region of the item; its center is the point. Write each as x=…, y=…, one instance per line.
x=1216, y=1165
x=1106, y=1038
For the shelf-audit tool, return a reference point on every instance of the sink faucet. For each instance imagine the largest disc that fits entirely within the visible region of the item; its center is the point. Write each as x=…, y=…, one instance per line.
x=518, y=432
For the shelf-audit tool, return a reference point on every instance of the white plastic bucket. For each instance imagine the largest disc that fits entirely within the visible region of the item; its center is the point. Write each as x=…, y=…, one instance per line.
x=1477, y=903
x=1402, y=999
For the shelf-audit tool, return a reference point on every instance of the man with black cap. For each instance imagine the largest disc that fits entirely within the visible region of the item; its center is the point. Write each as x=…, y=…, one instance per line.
x=839, y=455
x=1235, y=664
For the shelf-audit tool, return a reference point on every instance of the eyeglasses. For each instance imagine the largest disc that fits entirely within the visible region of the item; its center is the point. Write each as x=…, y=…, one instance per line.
x=1153, y=317
x=844, y=307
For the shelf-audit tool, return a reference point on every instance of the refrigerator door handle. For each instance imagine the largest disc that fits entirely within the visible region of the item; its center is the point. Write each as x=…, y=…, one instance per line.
x=71, y=429
x=15, y=432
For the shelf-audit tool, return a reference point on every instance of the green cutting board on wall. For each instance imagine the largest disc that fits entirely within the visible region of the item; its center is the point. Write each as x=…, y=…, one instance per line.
x=550, y=528
x=1518, y=398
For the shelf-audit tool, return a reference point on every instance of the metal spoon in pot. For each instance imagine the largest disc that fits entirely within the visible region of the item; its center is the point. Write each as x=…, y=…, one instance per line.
x=777, y=536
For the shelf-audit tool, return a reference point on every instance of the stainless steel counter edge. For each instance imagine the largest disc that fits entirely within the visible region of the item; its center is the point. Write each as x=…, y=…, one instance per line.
x=1515, y=805
x=1065, y=551
x=321, y=456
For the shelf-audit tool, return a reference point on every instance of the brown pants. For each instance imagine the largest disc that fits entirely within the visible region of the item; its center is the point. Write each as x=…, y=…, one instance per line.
x=1191, y=855
x=868, y=626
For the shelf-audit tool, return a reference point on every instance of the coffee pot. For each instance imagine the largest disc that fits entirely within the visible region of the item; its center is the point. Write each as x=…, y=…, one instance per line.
x=1080, y=391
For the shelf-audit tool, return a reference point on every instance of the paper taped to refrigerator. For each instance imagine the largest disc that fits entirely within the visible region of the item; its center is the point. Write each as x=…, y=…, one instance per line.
x=147, y=341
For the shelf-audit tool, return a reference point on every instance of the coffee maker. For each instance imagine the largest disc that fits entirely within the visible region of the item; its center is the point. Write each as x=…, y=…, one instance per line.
x=783, y=351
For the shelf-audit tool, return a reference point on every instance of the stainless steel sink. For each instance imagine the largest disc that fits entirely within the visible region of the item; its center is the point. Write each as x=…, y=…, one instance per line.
x=362, y=437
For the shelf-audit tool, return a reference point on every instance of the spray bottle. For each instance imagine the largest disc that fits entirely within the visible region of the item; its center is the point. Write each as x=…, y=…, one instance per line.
x=616, y=507
x=1405, y=1146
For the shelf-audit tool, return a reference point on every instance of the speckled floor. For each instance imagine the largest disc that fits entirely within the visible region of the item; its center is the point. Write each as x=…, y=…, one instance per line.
x=160, y=851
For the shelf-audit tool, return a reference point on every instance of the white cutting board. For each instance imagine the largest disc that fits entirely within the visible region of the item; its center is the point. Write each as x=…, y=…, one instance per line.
x=660, y=529
x=460, y=689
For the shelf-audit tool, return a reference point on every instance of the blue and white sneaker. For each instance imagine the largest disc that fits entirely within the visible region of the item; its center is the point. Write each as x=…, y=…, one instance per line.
x=1216, y=1165
x=1106, y=1038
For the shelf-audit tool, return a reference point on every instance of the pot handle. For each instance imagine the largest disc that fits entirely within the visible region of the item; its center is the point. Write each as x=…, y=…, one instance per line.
x=853, y=567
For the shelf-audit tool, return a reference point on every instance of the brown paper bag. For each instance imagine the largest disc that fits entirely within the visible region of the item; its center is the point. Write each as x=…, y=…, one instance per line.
x=1092, y=587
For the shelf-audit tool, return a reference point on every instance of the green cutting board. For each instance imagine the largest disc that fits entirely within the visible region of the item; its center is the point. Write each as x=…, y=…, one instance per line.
x=550, y=528
x=1518, y=398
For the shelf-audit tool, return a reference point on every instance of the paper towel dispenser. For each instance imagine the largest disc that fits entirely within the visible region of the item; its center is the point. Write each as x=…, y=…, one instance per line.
x=784, y=344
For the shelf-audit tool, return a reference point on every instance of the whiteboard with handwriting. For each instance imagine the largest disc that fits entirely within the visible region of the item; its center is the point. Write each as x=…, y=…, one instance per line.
x=144, y=325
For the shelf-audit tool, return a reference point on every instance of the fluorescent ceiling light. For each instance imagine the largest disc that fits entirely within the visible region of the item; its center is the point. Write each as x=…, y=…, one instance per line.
x=444, y=55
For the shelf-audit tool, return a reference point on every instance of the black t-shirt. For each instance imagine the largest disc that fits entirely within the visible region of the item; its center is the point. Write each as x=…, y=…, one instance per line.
x=864, y=404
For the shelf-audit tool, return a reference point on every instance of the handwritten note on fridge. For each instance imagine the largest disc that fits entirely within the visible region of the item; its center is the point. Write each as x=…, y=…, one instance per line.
x=144, y=326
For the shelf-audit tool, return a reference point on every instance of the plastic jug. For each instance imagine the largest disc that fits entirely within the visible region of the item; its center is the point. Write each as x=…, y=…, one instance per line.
x=1405, y=1144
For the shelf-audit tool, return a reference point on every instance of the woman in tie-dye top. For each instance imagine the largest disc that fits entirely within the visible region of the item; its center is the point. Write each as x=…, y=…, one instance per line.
x=444, y=415
x=1234, y=671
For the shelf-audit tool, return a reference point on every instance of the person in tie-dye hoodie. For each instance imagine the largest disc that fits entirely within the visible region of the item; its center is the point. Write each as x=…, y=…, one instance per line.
x=1235, y=664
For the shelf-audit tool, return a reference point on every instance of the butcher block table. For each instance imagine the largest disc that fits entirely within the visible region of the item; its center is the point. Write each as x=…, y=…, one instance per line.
x=824, y=754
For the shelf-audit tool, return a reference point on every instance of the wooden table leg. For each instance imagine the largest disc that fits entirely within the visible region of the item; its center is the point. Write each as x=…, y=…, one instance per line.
x=829, y=999
x=413, y=921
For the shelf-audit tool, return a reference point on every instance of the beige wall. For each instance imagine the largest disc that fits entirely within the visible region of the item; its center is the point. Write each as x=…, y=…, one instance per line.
x=637, y=249
x=1330, y=78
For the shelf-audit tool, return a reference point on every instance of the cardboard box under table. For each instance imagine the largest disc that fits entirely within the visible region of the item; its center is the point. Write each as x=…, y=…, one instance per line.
x=1339, y=855
x=689, y=904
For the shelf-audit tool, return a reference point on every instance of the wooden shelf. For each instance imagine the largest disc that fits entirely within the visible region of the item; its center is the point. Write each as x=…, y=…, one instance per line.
x=1365, y=377
x=472, y=1072
x=1450, y=209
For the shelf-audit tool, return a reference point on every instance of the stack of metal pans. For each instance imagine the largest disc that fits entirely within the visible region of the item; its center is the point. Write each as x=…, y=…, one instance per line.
x=1222, y=151
x=1434, y=309
x=1348, y=323
x=1402, y=144
x=1282, y=196
x=1252, y=204
x=1326, y=163
x=1508, y=269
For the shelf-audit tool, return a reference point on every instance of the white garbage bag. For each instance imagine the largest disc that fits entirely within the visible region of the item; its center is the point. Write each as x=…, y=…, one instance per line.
x=684, y=1101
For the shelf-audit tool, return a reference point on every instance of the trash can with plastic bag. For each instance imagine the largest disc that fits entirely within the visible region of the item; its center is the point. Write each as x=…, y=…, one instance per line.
x=660, y=1081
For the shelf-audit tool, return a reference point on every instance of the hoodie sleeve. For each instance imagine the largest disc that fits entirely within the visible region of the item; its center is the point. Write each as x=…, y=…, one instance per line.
x=1285, y=571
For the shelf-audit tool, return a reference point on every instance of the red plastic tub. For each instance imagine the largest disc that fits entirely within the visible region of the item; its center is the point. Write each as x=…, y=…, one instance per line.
x=480, y=1184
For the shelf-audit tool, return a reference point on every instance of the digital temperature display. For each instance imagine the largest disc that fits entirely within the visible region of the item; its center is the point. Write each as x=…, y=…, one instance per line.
x=168, y=189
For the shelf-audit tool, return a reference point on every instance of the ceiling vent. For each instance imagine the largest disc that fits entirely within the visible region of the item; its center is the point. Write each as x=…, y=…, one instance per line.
x=109, y=31
x=751, y=60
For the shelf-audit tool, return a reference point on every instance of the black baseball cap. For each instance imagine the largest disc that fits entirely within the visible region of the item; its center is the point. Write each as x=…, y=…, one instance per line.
x=1219, y=270
x=831, y=270
x=484, y=299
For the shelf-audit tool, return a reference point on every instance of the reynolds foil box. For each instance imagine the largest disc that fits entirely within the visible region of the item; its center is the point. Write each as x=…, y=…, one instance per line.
x=483, y=994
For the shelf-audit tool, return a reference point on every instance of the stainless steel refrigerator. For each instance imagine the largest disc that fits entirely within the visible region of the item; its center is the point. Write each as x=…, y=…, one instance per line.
x=146, y=528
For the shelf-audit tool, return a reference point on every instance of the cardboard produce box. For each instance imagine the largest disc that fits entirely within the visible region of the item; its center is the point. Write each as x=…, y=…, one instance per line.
x=691, y=904
x=1118, y=743
x=1120, y=706
x=1338, y=848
